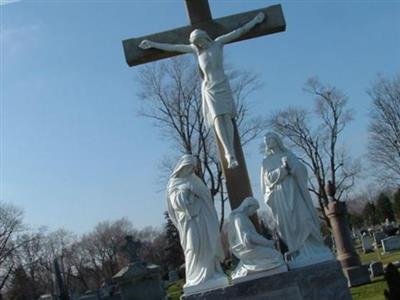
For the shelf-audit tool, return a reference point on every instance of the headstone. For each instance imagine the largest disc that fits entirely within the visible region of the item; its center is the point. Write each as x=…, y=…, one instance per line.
x=366, y=244
x=378, y=237
x=376, y=269
x=357, y=275
x=391, y=243
x=139, y=280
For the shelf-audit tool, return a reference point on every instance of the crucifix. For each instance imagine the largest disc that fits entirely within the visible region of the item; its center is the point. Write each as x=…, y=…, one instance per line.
x=208, y=34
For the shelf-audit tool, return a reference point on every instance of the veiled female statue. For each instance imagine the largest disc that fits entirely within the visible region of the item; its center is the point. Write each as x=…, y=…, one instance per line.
x=255, y=252
x=192, y=211
x=284, y=186
x=217, y=100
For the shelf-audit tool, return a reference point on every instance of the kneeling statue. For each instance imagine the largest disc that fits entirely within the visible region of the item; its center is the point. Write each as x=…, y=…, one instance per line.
x=255, y=252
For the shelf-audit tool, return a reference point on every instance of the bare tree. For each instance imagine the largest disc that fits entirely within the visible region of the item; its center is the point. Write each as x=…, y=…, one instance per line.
x=314, y=136
x=10, y=228
x=384, y=129
x=171, y=96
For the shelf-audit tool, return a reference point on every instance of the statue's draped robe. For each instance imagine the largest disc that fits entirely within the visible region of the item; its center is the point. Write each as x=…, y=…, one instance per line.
x=289, y=199
x=253, y=257
x=191, y=210
x=217, y=98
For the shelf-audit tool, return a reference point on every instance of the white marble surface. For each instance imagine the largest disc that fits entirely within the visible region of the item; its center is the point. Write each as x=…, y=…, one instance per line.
x=284, y=186
x=192, y=211
x=217, y=100
x=255, y=252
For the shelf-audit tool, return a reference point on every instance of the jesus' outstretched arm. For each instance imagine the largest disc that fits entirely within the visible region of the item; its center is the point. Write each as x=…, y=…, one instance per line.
x=233, y=35
x=146, y=44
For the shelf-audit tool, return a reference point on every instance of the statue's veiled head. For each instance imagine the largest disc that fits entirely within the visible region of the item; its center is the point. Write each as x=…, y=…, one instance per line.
x=185, y=166
x=273, y=143
x=200, y=38
x=249, y=206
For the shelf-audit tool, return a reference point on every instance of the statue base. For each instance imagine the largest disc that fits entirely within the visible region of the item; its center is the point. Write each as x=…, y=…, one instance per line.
x=209, y=285
x=315, y=282
x=260, y=274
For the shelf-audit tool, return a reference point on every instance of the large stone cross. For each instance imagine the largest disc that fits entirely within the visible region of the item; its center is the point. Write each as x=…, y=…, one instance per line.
x=237, y=179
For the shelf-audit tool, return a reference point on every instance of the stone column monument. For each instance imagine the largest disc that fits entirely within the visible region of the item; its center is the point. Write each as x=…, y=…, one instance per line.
x=336, y=211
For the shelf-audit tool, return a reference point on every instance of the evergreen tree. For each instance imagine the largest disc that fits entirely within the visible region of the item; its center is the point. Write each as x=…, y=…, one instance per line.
x=356, y=221
x=396, y=204
x=173, y=251
x=22, y=287
x=369, y=214
x=384, y=208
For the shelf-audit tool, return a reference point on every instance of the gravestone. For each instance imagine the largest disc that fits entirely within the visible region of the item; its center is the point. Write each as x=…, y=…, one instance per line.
x=138, y=280
x=366, y=244
x=378, y=237
x=391, y=243
x=376, y=269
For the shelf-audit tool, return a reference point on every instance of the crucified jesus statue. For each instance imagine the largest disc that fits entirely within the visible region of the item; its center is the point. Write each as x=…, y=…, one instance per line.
x=217, y=100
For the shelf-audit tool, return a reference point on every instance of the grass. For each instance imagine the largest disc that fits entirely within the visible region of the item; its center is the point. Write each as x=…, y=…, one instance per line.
x=375, y=289
x=378, y=256
x=371, y=291
x=175, y=290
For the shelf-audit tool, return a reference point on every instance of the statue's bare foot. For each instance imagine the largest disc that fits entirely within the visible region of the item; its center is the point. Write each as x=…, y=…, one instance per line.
x=232, y=162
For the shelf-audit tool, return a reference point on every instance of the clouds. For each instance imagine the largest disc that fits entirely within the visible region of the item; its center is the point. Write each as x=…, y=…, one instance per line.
x=17, y=41
x=6, y=2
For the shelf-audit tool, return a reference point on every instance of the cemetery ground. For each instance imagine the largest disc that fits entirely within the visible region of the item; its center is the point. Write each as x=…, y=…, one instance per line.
x=375, y=289
x=371, y=291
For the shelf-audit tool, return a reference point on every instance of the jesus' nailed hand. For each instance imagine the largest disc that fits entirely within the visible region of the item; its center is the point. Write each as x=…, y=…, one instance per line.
x=217, y=100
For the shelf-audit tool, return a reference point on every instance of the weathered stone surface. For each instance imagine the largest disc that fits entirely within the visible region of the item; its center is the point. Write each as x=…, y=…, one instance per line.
x=376, y=269
x=357, y=275
x=391, y=243
x=337, y=214
x=275, y=22
x=366, y=244
x=378, y=237
x=140, y=282
x=315, y=282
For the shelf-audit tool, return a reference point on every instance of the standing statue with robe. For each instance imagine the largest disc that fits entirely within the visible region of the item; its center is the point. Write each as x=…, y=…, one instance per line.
x=217, y=99
x=284, y=186
x=192, y=211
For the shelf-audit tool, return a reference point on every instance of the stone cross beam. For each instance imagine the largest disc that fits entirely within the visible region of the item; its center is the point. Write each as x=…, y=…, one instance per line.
x=200, y=18
x=237, y=179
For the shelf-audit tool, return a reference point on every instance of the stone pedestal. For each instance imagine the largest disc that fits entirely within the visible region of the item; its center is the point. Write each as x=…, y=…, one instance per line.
x=140, y=281
x=346, y=254
x=315, y=282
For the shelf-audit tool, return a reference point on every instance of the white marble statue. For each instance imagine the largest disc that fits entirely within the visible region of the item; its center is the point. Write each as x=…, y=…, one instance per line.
x=284, y=186
x=191, y=209
x=256, y=253
x=217, y=100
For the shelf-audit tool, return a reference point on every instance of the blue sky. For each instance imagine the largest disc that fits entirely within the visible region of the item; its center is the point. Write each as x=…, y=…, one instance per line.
x=74, y=150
